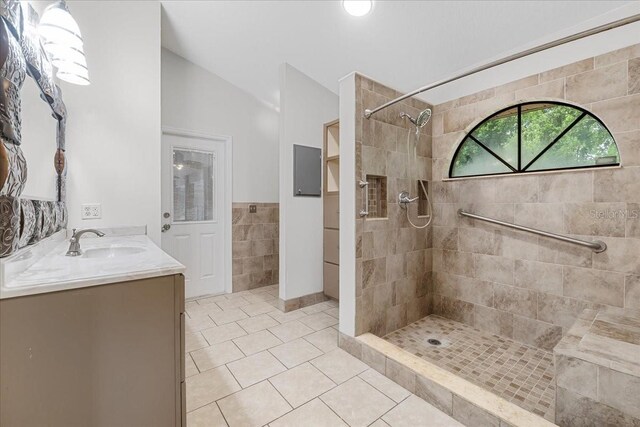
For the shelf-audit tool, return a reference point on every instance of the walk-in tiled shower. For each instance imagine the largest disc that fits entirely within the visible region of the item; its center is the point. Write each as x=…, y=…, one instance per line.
x=499, y=300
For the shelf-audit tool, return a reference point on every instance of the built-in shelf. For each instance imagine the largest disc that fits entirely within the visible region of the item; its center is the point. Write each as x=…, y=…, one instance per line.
x=331, y=162
x=333, y=140
x=333, y=175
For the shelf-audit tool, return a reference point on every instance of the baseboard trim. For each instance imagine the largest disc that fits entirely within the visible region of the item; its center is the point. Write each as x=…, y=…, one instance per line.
x=300, y=302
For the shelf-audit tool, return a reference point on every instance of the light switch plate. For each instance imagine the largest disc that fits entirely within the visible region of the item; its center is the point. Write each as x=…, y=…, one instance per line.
x=91, y=211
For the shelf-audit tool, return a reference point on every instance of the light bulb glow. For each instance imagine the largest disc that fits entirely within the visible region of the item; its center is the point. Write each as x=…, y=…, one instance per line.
x=357, y=7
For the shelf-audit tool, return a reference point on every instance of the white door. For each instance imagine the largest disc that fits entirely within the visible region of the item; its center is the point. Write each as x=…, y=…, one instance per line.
x=193, y=209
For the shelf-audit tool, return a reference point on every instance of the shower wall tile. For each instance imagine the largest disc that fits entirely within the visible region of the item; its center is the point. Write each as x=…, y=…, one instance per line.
x=539, y=286
x=599, y=84
x=624, y=54
x=392, y=273
x=255, y=245
x=629, y=146
x=634, y=76
x=550, y=90
x=598, y=286
x=567, y=70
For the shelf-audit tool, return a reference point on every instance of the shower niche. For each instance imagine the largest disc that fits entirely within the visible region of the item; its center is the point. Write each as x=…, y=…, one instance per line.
x=423, y=202
x=376, y=196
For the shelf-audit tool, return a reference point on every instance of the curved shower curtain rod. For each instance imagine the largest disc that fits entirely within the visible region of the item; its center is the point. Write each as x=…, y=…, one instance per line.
x=596, y=30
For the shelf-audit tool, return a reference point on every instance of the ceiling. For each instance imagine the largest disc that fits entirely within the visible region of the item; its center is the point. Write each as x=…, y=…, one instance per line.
x=405, y=44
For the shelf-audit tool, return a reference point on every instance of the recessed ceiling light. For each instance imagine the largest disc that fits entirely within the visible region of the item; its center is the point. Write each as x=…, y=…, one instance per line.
x=357, y=7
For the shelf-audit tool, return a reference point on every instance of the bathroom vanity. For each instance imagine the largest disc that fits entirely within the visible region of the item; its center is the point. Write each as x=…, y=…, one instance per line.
x=93, y=340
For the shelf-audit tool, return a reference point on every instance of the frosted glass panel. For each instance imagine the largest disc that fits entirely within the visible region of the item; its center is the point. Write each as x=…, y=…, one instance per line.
x=541, y=124
x=500, y=135
x=588, y=143
x=193, y=186
x=472, y=159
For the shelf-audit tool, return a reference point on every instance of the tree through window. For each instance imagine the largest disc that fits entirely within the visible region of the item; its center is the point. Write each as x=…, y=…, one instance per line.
x=534, y=137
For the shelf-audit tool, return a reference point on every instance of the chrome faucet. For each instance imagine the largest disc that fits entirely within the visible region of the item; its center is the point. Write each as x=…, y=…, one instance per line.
x=74, y=243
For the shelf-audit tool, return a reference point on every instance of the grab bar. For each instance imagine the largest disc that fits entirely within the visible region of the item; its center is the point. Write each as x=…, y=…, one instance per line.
x=596, y=246
x=365, y=186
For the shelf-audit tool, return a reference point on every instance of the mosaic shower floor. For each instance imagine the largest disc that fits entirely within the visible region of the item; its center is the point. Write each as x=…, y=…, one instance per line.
x=516, y=372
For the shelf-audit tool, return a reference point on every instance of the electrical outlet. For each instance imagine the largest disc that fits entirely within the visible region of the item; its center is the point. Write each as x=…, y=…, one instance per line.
x=253, y=208
x=91, y=211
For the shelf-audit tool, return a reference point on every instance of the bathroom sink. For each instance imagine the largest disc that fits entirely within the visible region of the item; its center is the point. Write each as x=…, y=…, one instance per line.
x=112, y=252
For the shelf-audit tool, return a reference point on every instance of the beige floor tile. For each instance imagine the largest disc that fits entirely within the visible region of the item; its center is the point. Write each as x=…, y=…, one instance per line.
x=190, y=367
x=228, y=316
x=414, y=411
x=194, y=341
x=207, y=416
x=314, y=413
x=291, y=330
x=287, y=317
x=254, y=407
x=301, y=384
x=357, y=402
x=209, y=386
x=385, y=385
x=259, y=296
x=211, y=300
x=255, y=368
x=326, y=339
x=339, y=365
x=333, y=312
x=216, y=355
x=257, y=342
x=223, y=333
x=319, y=321
x=379, y=423
x=295, y=352
x=257, y=323
x=316, y=308
x=229, y=304
x=198, y=323
x=257, y=308
x=197, y=310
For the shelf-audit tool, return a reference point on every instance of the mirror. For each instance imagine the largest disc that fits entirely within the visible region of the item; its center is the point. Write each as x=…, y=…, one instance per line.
x=39, y=146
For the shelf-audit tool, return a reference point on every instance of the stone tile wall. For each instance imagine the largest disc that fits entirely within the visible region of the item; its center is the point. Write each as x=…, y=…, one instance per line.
x=516, y=284
x=598, y=385
x=255, y=245
x=393, y=260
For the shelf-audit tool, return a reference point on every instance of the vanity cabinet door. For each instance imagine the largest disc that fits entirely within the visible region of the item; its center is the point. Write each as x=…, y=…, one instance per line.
x=98, y=356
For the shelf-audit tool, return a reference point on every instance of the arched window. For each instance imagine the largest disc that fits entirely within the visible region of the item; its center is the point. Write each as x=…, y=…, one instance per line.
x=535, y=137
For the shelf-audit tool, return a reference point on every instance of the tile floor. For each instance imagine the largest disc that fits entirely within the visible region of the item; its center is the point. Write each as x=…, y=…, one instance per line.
x=249, y=364
x=517, y=372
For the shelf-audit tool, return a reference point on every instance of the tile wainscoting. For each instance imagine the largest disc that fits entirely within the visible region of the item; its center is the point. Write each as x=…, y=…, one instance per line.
x=255, y=245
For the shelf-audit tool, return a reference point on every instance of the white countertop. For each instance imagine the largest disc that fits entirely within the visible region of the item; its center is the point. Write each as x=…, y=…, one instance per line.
x=53, y=271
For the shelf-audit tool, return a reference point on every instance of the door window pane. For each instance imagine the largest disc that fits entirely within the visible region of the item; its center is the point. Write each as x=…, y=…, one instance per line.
x=193, y=185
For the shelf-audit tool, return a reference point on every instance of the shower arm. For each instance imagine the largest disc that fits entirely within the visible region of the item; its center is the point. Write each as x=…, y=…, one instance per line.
x=582, y=34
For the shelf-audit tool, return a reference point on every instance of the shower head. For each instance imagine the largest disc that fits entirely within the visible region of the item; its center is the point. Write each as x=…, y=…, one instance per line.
x=421, y=120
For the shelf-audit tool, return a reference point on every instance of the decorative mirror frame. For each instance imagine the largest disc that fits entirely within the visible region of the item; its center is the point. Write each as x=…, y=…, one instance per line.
x=26, y=221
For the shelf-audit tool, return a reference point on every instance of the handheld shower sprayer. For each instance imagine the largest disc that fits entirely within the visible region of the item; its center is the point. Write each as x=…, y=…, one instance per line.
x=404, y=198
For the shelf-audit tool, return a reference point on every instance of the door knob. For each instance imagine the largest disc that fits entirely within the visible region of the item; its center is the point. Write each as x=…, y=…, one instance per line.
x=166, y=214
x=166, y=227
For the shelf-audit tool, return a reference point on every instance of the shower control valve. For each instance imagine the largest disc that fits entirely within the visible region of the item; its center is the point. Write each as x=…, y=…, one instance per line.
x=404, y=199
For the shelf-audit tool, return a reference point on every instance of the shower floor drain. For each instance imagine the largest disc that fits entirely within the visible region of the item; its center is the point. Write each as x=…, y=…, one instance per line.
x=437, y=342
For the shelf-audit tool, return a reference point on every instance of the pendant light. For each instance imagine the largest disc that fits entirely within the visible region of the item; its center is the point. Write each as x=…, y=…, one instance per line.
x=63, y=43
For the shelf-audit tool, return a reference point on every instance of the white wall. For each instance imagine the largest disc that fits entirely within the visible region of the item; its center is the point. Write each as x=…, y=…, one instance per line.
x=197, y=100
x=113, y=126
x=305, y=106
